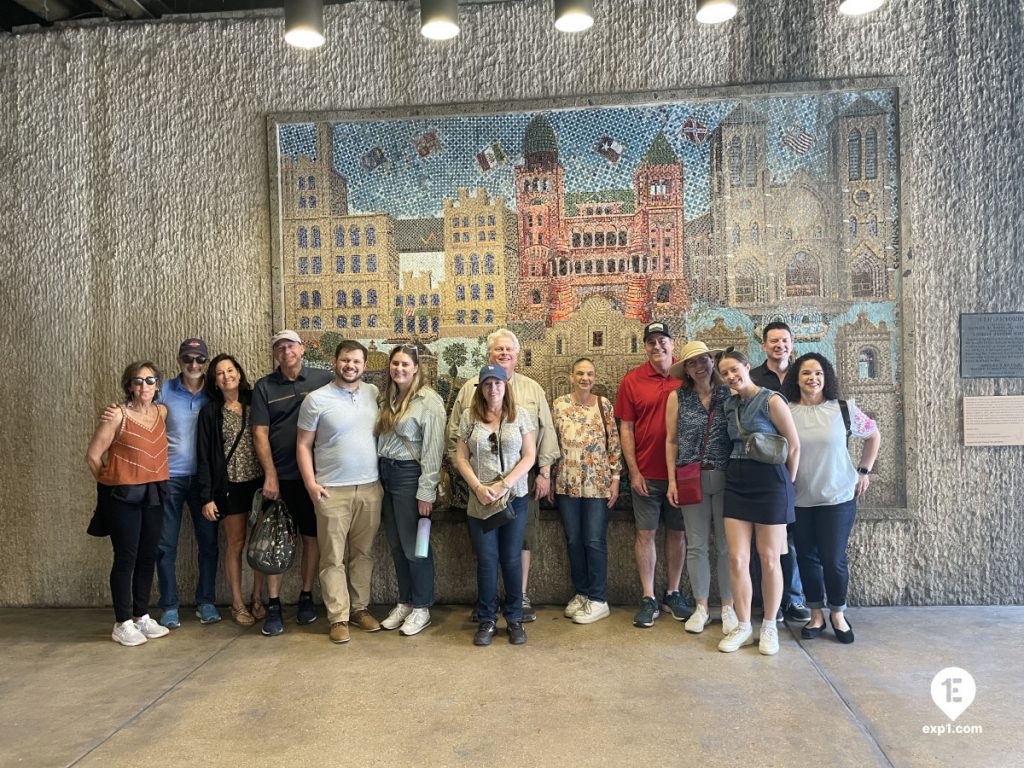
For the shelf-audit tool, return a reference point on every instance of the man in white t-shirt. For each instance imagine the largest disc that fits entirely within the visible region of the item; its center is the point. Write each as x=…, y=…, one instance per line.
x=335, y=428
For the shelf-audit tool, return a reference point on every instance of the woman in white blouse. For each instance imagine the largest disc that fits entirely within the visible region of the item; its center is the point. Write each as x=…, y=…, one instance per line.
x=828, y=487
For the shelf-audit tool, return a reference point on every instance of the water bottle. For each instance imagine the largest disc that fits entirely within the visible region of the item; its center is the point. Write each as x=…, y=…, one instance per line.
x=422, y=538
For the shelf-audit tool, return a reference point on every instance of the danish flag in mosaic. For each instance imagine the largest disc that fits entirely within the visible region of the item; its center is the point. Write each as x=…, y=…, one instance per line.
x=694, y=130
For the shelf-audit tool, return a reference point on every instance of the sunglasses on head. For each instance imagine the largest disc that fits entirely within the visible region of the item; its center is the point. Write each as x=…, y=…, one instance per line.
x=139, y=380
x=190, y=360
x=412, y=351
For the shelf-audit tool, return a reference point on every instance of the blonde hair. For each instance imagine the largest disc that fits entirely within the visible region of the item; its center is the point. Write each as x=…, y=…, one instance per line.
x=391, y=409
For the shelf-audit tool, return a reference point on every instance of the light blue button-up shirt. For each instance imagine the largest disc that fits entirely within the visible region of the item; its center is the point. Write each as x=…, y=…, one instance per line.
x=182, y=419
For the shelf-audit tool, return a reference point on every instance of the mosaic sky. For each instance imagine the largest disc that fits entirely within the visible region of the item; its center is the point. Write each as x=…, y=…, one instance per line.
x=408, y=184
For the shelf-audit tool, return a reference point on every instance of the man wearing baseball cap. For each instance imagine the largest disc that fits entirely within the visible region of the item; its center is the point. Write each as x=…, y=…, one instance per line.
x=276, y=399
x=640, y=408
x=185, y=396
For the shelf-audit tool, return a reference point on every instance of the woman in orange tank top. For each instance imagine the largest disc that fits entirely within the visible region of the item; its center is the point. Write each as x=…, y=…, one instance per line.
x=128, y=457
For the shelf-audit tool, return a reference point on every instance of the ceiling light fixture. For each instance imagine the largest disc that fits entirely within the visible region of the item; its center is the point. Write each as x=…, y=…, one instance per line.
x=439, y=19
x=574, y=15
x=859, y=7
x=304, y=23
x=715, y=11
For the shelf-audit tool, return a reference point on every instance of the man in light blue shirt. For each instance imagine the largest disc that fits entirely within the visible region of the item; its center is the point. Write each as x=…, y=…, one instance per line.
x=335, y=429
x=184, y=397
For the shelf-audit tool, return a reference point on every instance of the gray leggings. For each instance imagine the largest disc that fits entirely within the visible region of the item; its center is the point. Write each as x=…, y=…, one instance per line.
x=698, y=519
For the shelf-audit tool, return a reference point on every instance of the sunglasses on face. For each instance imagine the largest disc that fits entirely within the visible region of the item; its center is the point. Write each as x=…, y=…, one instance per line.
x=493, y=440
x=194, y=360
x=140, y=380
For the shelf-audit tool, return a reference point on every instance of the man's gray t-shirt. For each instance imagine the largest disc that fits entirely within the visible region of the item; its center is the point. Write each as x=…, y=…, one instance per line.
x=344, y=449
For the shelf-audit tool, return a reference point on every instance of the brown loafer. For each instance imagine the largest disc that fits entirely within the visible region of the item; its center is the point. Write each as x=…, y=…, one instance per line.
x=242, y=616
x=364, y=621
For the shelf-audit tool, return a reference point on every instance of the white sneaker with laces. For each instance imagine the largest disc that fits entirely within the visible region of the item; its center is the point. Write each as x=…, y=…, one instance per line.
x=742, y=635
x=417, y=620
x=769, y=643
x=398, y=615
x=574, y=605
x=698, y=620
x=591, y=611
x=150, y=628
x=126, y=633
x=729, y=620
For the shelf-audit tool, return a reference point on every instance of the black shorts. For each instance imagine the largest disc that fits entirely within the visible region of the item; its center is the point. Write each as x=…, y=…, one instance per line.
x=239, y=498
x=294, y=494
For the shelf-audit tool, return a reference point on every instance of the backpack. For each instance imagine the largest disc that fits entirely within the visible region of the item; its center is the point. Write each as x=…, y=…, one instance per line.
x=271, y=535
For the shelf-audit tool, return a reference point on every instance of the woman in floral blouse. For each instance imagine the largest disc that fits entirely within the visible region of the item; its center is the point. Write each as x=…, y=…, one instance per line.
x=586, y=488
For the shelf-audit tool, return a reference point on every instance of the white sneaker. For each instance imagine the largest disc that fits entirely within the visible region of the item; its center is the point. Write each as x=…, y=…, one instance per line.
x=591, y=611
x=126, y=633
x=742, y=635
x=698, y=620
x=574, y=605
x=397, y=616
x=729, y=620
x=150, y=628
x=417, y=620
x=769, y=644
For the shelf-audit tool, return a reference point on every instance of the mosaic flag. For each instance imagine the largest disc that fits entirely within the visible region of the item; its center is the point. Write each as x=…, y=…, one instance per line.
x=610, y=149
x=427, y=144
x=373, y=159
x=798, y=140
x=694, y=130
x=491, y=156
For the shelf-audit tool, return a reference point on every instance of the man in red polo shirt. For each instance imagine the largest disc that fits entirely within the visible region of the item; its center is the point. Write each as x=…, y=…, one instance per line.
x=640, y=407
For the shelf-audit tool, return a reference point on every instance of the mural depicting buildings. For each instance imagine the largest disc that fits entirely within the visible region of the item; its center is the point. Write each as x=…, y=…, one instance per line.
x=577, y=227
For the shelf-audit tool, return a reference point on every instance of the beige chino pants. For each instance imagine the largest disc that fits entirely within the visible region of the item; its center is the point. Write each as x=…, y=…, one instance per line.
x=347, y=523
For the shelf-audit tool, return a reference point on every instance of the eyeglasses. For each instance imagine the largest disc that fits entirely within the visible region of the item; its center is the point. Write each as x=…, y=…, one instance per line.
x=493, y=440
x=140, y=380
x=194, y=360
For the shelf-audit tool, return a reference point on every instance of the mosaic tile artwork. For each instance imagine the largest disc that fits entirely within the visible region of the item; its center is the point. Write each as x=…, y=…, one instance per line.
x=575, y=227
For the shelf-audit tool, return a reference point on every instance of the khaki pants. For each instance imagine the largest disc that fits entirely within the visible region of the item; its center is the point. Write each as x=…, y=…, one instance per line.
x=347, y=521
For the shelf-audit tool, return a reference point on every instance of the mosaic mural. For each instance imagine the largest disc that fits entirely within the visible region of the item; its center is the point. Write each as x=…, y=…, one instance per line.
x=575, y=227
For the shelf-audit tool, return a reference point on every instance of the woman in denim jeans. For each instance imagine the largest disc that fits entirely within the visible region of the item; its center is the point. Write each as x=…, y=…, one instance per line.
x=586, y=489
x=828, y=488
x=410, y=442
x=496, y=448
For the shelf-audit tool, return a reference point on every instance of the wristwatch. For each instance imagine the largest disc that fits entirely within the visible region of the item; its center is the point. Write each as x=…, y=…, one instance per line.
x=546, y=474
x=863, y=471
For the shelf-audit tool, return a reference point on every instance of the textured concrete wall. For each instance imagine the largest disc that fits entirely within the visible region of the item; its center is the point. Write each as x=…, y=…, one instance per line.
x=127, y=152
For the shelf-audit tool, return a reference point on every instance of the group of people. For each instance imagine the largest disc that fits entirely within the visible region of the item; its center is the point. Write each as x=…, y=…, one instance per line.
x=344, y=457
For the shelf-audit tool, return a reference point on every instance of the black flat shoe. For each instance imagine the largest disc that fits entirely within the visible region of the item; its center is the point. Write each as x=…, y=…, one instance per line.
x=810, y=633
x=843, y=636
x=484, y=634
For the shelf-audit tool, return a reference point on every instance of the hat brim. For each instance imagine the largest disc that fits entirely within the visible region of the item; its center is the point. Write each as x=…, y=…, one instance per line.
x=677, y=370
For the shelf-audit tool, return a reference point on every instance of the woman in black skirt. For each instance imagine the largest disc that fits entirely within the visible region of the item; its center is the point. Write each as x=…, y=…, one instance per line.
x=758, y=499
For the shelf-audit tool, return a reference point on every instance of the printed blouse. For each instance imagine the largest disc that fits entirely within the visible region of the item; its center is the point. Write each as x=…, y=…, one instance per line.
x=692, y=423
x=244, y=466
x=590, y=449
x=482, y=456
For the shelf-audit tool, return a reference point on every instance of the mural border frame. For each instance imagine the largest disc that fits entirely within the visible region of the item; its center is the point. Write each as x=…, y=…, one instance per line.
x=904, y=304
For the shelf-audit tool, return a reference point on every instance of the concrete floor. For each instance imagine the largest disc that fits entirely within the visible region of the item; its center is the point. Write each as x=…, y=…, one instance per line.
x=604, y=694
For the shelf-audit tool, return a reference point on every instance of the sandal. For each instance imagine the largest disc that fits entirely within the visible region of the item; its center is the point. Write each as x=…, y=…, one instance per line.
x=258, y=612
x=242, y=616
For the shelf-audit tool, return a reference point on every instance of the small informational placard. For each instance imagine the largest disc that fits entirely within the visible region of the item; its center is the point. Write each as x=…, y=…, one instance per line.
x=997, y=420
x=992, y=345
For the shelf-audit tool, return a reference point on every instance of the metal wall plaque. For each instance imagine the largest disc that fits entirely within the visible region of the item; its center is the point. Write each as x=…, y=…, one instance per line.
x=992, y=345
x=994, y=420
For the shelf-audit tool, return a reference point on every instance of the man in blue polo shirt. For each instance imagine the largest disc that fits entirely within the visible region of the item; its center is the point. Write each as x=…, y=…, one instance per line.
x=184, y=397
x=275, y=412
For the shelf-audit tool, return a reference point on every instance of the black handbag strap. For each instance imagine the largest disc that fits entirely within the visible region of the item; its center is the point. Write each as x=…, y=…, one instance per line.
x=844, y=409
x=238, y=437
